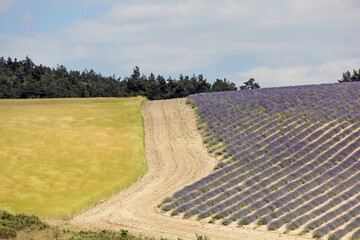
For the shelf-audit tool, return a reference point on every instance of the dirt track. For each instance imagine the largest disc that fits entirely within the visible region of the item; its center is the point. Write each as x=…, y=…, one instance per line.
x=176, y=157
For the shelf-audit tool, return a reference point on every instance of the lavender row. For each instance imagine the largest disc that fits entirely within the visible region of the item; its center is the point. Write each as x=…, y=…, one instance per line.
x=292, y=205
x=224, y=113
x=339, y=146
x=330, y=214
x=246, y=174
x=212, y=177
x=222, y=129
x=254, y=127
x=356, y=235
x=336, y=223
x=314, y=170
x=288, y=183
x=284, y=201
x=332, y=203
x=288, y=154
x=274, y=144
x=256, y=146
x=337, y=184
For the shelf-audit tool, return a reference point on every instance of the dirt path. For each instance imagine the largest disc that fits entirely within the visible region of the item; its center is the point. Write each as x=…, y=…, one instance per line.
x=176, y=157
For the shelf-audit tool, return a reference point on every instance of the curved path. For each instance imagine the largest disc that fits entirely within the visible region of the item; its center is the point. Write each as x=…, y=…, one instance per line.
x=176, y=157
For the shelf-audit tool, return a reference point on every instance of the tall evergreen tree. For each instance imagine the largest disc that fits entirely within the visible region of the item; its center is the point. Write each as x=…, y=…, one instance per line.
x=152, y=88
x=223, y=85
x=348, y=77
x=250, y=84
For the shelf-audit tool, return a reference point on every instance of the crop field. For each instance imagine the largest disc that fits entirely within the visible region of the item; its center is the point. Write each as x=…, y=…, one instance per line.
x=60, y=155
x=289, y=161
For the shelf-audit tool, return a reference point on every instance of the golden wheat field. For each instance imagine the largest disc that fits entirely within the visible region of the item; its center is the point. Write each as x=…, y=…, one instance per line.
x=60, y=155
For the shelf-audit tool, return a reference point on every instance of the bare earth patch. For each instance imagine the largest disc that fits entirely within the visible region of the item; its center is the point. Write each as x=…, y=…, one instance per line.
x=176, y=157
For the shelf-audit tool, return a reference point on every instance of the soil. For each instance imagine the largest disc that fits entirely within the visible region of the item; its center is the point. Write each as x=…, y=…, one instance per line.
x=176, y=157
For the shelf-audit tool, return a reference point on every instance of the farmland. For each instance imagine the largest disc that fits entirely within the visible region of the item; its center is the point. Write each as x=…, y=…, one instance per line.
x=176, y=157
x=282, y=160
x=289, y=161
x=60, y=155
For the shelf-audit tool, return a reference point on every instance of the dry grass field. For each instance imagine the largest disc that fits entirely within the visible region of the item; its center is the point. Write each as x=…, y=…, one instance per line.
x=60, y=155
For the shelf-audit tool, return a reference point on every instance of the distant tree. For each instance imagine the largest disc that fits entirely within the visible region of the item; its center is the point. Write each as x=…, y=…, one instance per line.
x=190, y=85
x=223, y=85
x=201, y=85
x=172, y=85
x=180, y=89
x=251, y=84
x=163, y=87
x=152, y=88
x=348, y=77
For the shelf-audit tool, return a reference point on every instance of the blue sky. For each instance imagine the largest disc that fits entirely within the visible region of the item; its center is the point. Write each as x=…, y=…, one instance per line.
x=278, y=42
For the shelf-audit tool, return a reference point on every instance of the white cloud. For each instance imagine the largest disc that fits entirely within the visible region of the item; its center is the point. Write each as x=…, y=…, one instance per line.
x=41, y=48
x=149, y=11
x=98, y=33
x=93, y=2
x=209, y=24
x=262, y=12
x=310, y=13
x=164, y=59
x=154, y=58
x=26, y=18
x=6, y=5
x=286, y=38
x=76, y=3
x=299, y=75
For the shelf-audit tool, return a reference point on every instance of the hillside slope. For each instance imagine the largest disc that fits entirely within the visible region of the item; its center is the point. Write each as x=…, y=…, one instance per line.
x=176, y=157
x=290, y=160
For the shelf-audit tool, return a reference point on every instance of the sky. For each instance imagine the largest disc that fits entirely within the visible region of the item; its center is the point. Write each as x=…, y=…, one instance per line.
x=276, y=42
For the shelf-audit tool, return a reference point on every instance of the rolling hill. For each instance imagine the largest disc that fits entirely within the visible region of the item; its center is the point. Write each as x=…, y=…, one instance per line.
x=289, y=160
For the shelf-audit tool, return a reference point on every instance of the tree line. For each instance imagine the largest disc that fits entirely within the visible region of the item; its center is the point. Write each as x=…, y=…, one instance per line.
x=24, y=79
x=348, y=77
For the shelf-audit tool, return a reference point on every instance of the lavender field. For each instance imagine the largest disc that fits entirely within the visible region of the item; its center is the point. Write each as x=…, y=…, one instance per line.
x=289, y=160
